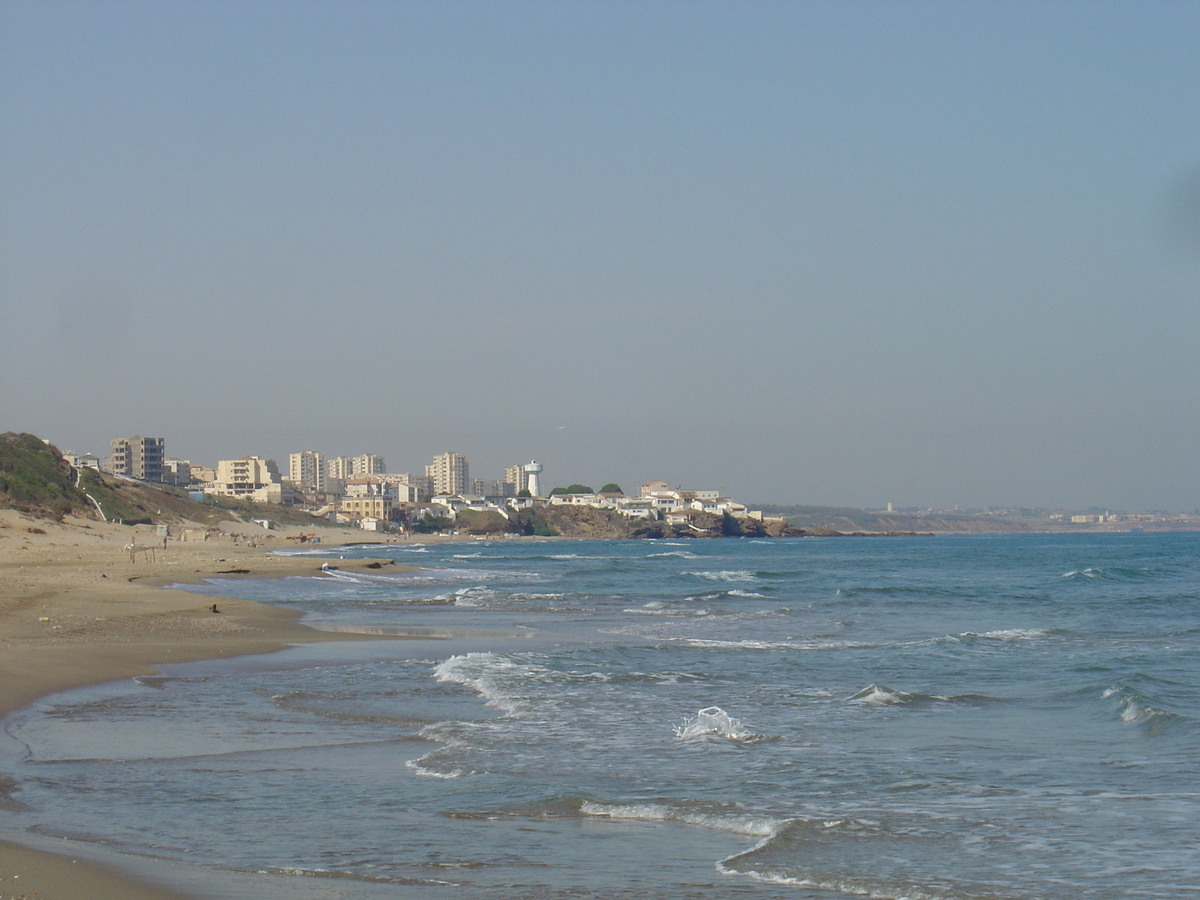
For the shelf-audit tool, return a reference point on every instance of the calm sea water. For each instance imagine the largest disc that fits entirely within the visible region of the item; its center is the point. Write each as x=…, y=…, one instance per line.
x=951, y=718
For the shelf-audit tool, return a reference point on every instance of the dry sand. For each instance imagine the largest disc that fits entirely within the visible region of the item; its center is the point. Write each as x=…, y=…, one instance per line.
x=75, y=610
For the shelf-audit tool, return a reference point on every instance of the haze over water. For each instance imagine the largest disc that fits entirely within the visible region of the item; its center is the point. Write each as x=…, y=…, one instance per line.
x=1001, y=717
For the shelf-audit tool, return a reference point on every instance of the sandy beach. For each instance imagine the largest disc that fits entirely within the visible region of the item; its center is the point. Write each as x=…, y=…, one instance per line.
x=76, y=610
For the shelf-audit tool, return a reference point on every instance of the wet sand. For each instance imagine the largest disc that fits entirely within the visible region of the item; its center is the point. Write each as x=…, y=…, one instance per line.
x=75, y=610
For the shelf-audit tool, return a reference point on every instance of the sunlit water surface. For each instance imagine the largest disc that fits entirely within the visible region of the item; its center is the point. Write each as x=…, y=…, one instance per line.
x=926, y=718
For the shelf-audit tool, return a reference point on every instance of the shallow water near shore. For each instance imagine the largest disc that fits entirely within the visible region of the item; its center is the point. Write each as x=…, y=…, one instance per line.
x=960, y=717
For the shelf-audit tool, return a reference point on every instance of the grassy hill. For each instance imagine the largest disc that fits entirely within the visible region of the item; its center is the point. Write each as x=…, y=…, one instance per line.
x=35, y=479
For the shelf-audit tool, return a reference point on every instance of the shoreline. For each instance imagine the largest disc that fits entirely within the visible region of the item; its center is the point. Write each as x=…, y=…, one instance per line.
x=75, y=611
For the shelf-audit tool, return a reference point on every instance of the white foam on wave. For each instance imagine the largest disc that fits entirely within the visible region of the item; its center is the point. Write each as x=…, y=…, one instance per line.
x=881, y=888
x=775, y=645
x=853, y=886
x=1015, y=634
x=444, y=734
x=417, y=766
x=1005, y=635
x=880, y=695
x=730, y=576
x=753, y=826
x=366, y=578
x=1136, y=708
x=681, y=554
x=655, y=608
x=710, y=722
x=738, y=592
x=488, y=675
x=473, y=596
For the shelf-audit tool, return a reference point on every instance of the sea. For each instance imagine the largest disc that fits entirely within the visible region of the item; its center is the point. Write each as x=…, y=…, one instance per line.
x=1006, y=717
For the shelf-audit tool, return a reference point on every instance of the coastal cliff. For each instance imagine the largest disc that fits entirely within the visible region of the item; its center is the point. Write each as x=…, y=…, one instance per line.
x=606, y=524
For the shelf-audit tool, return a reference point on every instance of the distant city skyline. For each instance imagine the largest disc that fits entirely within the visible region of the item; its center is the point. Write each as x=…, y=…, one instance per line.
x=837, y=253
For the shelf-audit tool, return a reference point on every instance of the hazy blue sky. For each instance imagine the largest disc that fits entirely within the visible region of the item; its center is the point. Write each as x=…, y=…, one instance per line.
x=836, y=253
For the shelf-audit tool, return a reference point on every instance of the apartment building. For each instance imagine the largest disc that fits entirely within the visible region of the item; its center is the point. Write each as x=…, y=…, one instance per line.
x=306, y=470
x=369, y=464
x=490, y=487
x=518, y=478
x=376, y=507
x=344, y=468
x=450, y=474
x=136, y=457
x=177, y=471
x=251, y=478
x=340, y=467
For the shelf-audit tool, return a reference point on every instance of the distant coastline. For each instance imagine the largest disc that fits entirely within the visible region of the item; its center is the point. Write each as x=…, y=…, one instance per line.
x=1004, y=521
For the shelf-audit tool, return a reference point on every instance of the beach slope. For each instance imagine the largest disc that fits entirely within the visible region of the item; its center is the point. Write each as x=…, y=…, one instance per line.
x=76, y=609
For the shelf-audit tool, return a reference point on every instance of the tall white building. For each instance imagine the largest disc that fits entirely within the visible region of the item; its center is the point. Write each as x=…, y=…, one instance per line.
x=340, y=467
x=369, y=464
x=344, y=468
x=450, y=474
x=515, y=475
x=306, y=470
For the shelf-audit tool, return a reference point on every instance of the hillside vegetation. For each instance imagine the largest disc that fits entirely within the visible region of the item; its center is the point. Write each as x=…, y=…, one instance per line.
x=35, y=478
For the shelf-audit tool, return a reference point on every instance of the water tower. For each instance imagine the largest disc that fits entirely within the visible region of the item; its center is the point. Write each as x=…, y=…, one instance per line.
x=533, y=471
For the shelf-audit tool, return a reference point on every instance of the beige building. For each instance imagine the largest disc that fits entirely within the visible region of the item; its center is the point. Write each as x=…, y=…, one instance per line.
x=340, y=467
x=177, y=472
x=249, y=477
x=517, y=477
x=344, y=468
x=369, y=464
x=136, y=457
x=421, y=484
x=203, y=474
x=377, y=507
x=306, y=470
x=450, y=474
x=489, y=487
x=401, y=487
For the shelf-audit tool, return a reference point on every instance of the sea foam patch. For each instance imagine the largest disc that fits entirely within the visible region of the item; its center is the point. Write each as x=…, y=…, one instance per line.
x=713, y=722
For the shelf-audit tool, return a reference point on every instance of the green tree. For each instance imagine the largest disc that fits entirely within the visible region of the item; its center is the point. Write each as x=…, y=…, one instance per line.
x=611, y=488
x=432, y=524
x=573, y=489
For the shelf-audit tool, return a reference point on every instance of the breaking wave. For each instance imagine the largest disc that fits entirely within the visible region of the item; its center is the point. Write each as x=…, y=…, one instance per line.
x=1136, y=707
x=752, y=826
x=714, y=722
x=882, y=695
x=1109, y=573
x=489, y=675
x=733, y=576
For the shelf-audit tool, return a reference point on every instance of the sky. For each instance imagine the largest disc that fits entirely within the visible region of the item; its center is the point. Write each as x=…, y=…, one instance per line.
x=833, y=253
